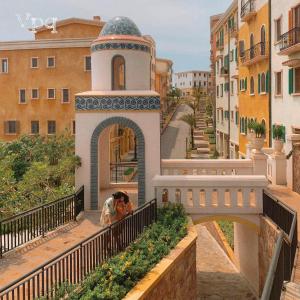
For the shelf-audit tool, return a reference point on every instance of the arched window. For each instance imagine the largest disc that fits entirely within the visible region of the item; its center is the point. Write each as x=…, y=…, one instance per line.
x=252, y=50
x=118, y=73
x=251, y=85
x=263, y=83
x=263, y=39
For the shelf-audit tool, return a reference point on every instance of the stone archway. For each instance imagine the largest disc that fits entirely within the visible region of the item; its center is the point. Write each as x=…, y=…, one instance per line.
x=94, y=181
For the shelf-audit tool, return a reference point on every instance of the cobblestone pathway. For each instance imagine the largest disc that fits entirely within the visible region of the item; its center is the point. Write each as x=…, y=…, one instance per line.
x=217, y=277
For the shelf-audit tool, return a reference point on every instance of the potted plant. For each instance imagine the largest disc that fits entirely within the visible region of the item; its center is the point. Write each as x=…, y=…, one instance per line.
x=260, y=134
x=251, y=133
x=278, y=135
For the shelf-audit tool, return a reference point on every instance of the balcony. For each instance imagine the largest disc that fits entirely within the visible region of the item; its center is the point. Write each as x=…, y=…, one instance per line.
x=220, y=45
x=290, y=42
x=255, y=54
x=234, y=31
x=248, y=11
x=224, y=72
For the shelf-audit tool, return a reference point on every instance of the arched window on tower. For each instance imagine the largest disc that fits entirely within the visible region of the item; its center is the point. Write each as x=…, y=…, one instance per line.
x=118, y=73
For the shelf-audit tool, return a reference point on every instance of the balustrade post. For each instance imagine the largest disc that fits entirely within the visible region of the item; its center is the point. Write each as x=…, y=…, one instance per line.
x=260, y=163
x=43, y=221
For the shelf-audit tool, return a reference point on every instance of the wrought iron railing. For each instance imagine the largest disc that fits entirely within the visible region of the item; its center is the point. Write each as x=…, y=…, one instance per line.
x=282, y=262
x=290, y=38
x=247, y=8
x=257, y=50
x=72, y=266
x=24, y=227
x=123, y=172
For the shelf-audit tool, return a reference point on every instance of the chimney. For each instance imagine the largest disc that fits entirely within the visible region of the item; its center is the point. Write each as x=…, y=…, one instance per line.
x=96, y=18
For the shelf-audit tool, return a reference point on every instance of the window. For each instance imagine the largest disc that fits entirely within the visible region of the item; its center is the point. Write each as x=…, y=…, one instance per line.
x=242, y=48
x=222, y=89
x=297, y=77
x=73, y=127
x=263, y=40
x=4, y=65
x=22, y=96
x=65, y=96
x=217, y=91
x=263, y=83
x=118, y=73
x=278, y=83
x=252, y=86
x=278, y=29
x=218, y=116
x=222, y=116
x=51, y=94
x=232, y=88
x=11, y=127
x=35, y=127
x=51, y=62
x=231, y=55
x=51, y=127
x=232, y=116
x=87, y=63
x=34, y=62
x=34, y=94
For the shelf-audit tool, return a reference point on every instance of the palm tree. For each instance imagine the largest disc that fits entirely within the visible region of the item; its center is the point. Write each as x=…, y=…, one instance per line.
x=191, y=121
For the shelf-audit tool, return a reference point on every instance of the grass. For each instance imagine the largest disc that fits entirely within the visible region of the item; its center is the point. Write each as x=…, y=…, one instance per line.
x=227, y=229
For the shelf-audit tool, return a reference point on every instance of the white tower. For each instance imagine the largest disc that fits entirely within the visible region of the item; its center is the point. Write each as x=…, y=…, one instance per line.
x=121, y=78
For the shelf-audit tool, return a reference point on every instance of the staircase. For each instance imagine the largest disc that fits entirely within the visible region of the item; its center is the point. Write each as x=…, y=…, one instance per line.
x=202, y=146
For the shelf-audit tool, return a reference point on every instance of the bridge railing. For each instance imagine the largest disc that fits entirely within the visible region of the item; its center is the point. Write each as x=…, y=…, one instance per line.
x=26, y=226
x=212, y=193
x=73, y=265
x=207, y=167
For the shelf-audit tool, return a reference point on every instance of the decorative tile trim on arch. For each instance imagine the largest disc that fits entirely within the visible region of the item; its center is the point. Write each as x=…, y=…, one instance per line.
x=87, y=103
x=120, y=46
x=94, y=184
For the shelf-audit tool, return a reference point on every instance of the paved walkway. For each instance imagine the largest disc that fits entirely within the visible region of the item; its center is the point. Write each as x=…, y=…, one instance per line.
x=217, y=277
x=25, y=259
x=173, y=141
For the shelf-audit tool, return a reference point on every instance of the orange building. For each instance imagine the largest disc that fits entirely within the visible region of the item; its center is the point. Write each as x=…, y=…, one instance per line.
x=40, y=78
x=254, y=74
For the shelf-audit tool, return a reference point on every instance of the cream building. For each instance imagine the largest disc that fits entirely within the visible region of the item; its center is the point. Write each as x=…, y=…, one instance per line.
x=286, y=81
x=227, y=91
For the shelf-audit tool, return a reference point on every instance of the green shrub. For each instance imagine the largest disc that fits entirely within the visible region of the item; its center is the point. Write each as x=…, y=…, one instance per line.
x=228, y=231
x=259, y=129
x=279, y=132
x=209, y=131
x=116, y=277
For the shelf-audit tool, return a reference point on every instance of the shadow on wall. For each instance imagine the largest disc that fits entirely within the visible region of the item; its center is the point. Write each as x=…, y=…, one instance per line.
x=169, y=142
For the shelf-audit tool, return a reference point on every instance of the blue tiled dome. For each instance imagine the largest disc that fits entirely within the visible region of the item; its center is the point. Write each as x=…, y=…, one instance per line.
x=120, y=26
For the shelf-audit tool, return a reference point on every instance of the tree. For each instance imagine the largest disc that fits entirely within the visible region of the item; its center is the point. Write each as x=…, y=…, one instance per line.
x=191, y=121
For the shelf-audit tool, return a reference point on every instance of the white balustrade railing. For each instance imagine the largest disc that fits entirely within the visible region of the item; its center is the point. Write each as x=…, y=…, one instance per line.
x=212, y=194
x=207, y=167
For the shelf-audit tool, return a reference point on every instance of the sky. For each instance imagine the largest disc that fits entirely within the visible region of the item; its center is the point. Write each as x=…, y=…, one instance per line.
x=179, y=27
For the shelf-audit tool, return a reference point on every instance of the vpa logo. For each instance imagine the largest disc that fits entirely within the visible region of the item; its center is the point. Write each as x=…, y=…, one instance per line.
x=33, y=23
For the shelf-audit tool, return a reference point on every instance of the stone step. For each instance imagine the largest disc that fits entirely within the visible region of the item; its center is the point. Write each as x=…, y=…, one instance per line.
x=199, y=156
x=202, y=150
x=198, y=132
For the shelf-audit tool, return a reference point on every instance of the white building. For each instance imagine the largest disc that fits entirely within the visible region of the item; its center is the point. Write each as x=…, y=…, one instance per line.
x=186, y=81
x=227, y=112
x=286, y=80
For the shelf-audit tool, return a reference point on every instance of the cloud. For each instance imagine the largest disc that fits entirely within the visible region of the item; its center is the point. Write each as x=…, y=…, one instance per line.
x=180, y=28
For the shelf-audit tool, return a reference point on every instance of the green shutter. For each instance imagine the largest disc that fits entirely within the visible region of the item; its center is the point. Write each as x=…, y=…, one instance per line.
x=259, y=83
x=291, y=81
x=267, y=82
x=236, y=54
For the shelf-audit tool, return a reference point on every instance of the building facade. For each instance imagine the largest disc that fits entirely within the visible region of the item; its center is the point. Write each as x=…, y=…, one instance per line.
x=254, y=74
x=286, y=79
x=39, y=78
x=188, y=80
x=226, y=80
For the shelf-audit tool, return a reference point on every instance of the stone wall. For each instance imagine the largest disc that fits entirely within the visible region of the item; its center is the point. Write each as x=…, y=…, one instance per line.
x=174, y=278
x=267, y=240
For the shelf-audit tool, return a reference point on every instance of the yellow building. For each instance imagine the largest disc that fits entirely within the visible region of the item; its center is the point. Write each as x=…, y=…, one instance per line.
x=253, y=66
x=41, y=76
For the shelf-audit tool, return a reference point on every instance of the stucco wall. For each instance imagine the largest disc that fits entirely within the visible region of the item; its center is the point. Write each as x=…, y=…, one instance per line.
x=137, y=69
x=174, y=278
x=149, y=123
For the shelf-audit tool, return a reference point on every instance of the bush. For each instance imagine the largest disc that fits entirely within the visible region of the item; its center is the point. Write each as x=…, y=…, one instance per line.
x=116, y=277
x=228, y=231
x=279, y=132
x=128, y=171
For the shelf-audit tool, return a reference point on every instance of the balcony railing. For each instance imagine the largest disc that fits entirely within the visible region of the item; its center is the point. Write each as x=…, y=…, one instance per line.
x=248, y=10
x=255, y=54
x=289, y=40
x=224, y=72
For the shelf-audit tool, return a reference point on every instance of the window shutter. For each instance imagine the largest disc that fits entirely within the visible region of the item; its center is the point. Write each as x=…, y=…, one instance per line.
x=267, y=82
x=236, y=55
x=241, y=48
x=259, y=83
x=246, y=83
x=291, y=81
x=291, y=19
